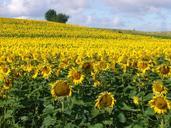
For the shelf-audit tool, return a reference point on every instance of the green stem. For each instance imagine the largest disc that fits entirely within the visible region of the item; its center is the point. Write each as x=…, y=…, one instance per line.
x=162, y=123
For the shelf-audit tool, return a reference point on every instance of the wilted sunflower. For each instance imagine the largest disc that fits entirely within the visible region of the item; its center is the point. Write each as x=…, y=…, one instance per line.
x=76, y=76
x=61, y=88
x=160, y=104
x=105, y=99
x=158, y=88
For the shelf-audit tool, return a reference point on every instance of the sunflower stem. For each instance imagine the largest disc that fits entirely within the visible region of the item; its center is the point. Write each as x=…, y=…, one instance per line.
x=162, y=124
x=62, y=108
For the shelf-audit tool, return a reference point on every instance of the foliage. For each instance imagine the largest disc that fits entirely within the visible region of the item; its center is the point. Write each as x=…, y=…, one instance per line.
x=51, y=15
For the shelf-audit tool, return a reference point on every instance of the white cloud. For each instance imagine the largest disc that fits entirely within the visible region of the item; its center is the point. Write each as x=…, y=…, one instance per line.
x=138, y=6
x=103, y=22
x=99, y=13
x=38, y=7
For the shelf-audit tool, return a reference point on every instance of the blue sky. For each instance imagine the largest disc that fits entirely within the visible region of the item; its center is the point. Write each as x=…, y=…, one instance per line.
x=145, y=15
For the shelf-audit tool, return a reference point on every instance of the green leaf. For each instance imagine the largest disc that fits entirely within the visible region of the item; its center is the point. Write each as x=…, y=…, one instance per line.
x=138, y=126
x=70, y=125
x=49, y=109
x=149, y=112
x=122, y=118
x=108, y=122
x=148, y=97
x=126, y=107
x=95, y=112
x=98, y=125
x=48, y=121
x=77, y=102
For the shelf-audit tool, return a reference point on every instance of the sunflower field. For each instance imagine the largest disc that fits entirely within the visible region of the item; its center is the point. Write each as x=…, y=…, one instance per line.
x=64, y=76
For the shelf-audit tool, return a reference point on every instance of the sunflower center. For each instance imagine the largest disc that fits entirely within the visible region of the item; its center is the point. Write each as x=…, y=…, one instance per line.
x=161, y=103
x=159, y=88
x=45, y=70
x=105, y=101
x=87, y=65
x=164, y=70
x=62, y=89
x=102, y=65
x=76, y=75
x=143, y=65
x=5, y=69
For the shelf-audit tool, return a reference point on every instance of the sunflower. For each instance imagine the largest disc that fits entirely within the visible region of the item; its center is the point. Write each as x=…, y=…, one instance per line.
x=4, y=69
x=136, y=100
x=61, y=88
x=2, y=93
x=46, y=71
x=76, y=76
x=101, y=66
x=160, y=104
x=158, y=88
x=143, y=66
x=105, y=99
x=87, y=66
x=164, y=70
x=7, y=83
x=35, y=72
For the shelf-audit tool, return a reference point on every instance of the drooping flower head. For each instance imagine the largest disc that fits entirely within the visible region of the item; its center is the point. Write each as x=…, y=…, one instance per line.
x=60, y=89
x=105, y=99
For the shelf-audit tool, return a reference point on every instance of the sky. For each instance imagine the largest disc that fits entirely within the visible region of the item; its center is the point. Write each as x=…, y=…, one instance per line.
x=144, y=15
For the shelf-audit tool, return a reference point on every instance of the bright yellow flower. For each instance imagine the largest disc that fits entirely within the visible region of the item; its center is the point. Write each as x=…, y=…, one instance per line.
x=160, y=104
x=143, y=66
x=46, y=71
x=136, y=100
x=76, y=76
x=158, y=88
x=164, y=70
x=7, y=83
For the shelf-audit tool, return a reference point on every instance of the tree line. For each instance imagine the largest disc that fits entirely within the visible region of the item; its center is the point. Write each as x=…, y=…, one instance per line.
x=52, y=15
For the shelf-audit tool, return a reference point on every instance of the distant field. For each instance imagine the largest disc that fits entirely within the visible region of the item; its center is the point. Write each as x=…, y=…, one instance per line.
x=68, y=76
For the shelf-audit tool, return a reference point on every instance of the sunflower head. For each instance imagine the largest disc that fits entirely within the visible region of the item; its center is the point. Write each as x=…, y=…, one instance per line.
x=7, y=83
x=76, y=76
x=46, y=71
x=4, y=69
x=61, y=88
x=101, y=66
x=164, y=70
x=143, y=65
x=136, y=100
x=105, y=99
x=160, y=104
x=158, y=88
x=87, y=66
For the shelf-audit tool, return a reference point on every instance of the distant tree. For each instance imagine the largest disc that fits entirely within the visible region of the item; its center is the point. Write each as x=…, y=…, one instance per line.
x=51, y=15
x=62, y=18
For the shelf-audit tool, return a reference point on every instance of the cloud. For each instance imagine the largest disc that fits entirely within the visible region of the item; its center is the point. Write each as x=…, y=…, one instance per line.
x=97, y=13
x=138, y=6
x=36, y=8
x=106, y=22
